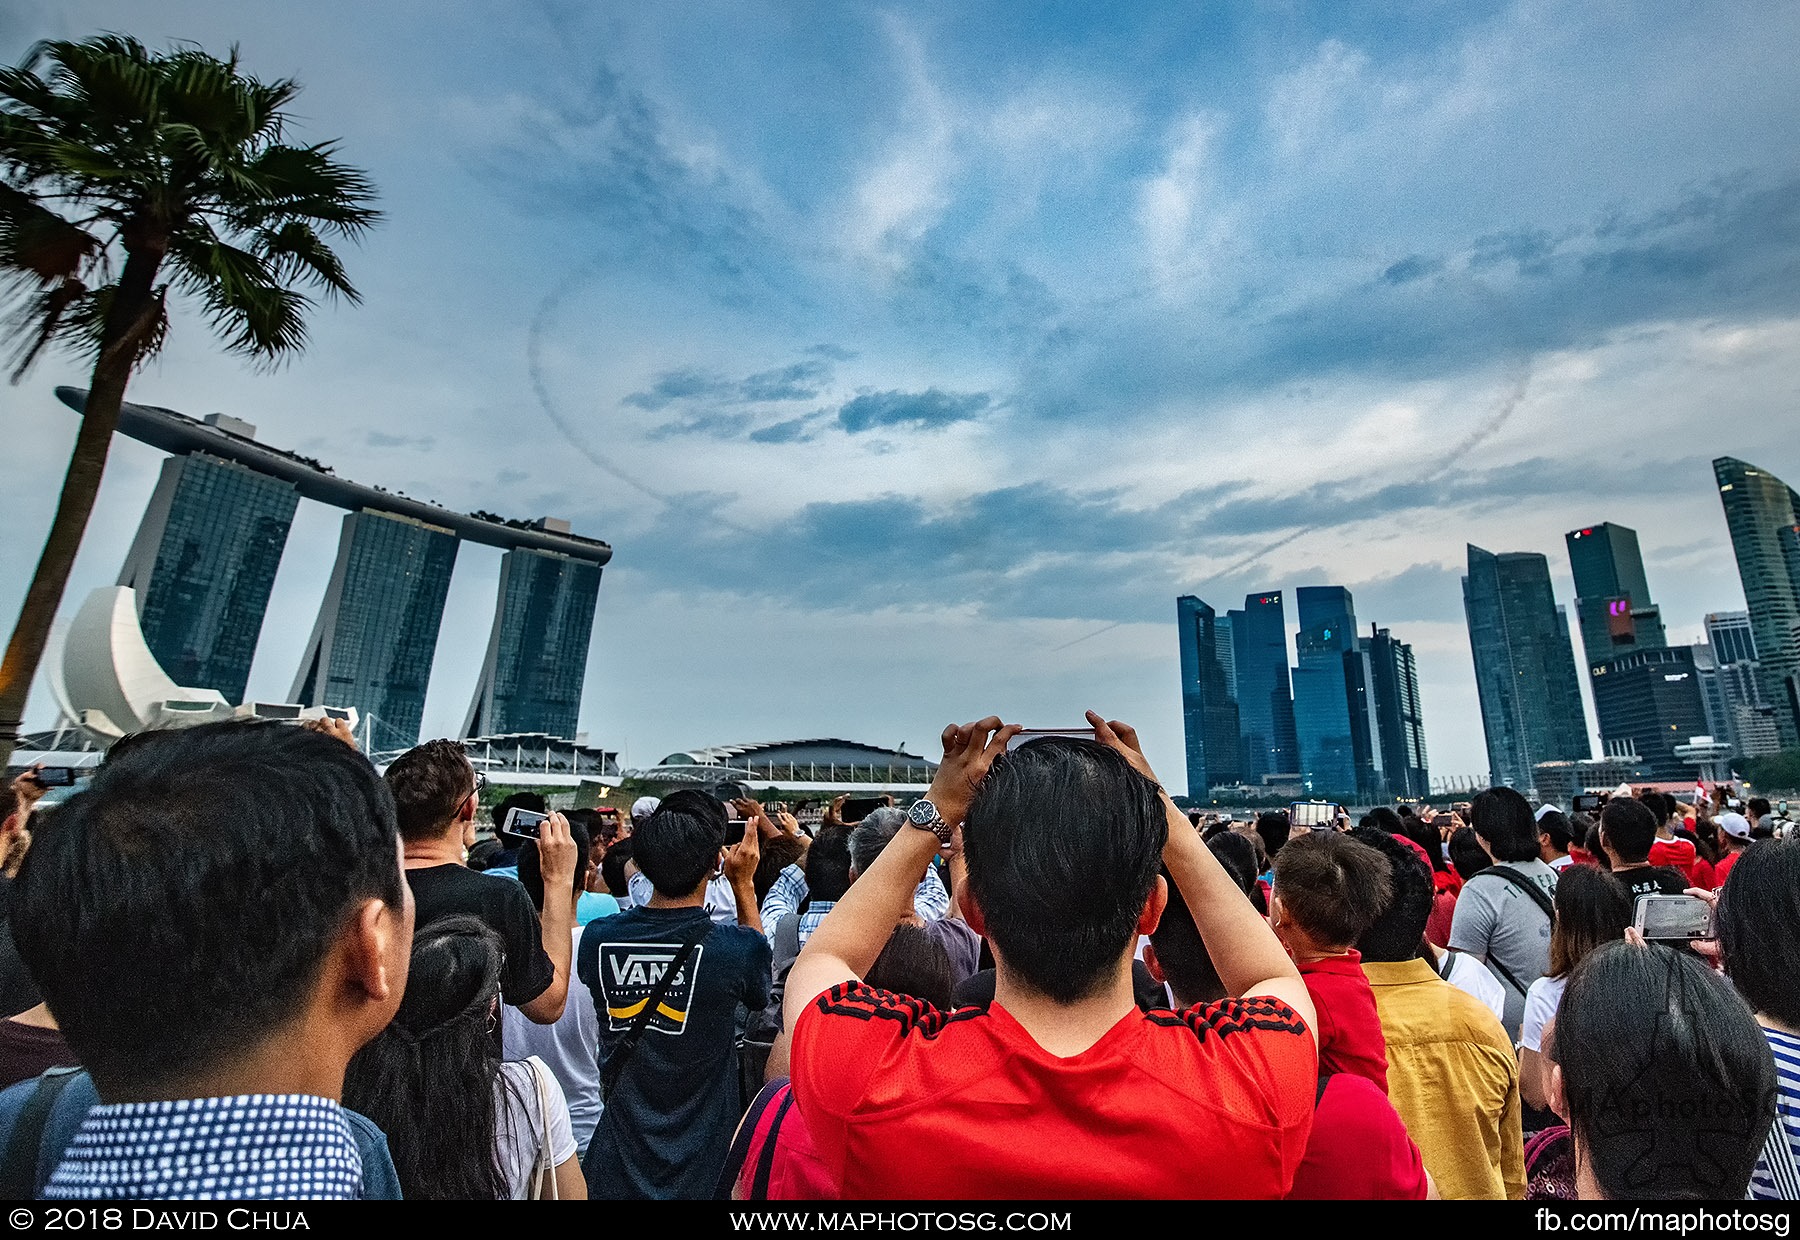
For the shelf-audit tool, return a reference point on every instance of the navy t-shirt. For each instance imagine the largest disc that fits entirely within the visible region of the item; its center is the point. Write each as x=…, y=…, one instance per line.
x=667, y=1127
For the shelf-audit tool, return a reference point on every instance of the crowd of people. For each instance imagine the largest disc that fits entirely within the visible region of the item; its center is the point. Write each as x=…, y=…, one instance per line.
x=241, y=962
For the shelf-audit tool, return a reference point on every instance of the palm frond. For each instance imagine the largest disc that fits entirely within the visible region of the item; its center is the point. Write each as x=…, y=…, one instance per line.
x=245, y=301
x=295, y=251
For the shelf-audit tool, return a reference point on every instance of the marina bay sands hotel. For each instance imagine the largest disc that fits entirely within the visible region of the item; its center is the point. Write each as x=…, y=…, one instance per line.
x=204, y=562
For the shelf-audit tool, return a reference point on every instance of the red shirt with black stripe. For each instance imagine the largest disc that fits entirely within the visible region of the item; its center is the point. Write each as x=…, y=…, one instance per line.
x=903, y=1100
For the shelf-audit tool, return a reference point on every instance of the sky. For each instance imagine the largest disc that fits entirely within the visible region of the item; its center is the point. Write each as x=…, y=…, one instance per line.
x=915, y=358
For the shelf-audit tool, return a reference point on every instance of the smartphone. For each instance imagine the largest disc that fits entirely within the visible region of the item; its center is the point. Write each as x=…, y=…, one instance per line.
x=525, y=823
x=1674, y=919
x=1589, y=803
x=1027, y=735
x=858, y=808
x=1311, y=813
x=54, y=777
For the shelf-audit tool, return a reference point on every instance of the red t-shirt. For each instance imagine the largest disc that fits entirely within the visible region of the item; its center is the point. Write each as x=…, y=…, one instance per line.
x=1359, y=1149
x=1349, y=1030
x=903, y=1100
x=1677, y=854
x=1722, y=867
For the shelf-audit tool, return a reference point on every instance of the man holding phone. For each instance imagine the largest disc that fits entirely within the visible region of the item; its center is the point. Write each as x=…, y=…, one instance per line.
x=437, y=795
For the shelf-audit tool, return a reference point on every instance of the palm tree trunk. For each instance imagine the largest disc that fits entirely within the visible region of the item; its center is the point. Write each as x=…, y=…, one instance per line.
x=128, y=327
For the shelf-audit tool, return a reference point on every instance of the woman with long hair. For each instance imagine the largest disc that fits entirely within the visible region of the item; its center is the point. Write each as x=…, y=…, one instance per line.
x=460, y=1123
x=1592, y=908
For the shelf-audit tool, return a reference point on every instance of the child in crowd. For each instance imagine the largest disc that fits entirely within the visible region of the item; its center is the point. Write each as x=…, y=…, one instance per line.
x=1328, y=890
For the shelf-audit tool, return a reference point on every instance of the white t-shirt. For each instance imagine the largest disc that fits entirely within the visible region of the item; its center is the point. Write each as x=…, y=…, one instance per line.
x=522, y=1127
x=1469, y=975
x=1562, y=863
x=720, y=901
x=1541, y=1002
x=570, y=1047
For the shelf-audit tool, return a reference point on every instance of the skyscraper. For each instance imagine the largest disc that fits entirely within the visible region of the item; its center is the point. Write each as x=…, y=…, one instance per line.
x=1733, y=686
x=203, y=563
x=1399, y=717
x=1209, y=715
x=1326, y=687
x=1226, y=648
x=1653, y=698
x=1265, y=701
x=1612, y=595
x=537, y=653
x=1763, y=515
x=1524, y=665
x=377, y=630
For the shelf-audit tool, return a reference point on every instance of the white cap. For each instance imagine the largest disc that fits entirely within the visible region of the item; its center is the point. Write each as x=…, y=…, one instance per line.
x=643, y=807
x=1735, y=825
x=1546, y=809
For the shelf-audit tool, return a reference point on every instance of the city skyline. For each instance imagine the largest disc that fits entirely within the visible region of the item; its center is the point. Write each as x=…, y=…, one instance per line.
x=881, y=341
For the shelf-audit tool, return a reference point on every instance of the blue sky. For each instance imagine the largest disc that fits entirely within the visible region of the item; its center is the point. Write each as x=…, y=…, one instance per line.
x=895, y=348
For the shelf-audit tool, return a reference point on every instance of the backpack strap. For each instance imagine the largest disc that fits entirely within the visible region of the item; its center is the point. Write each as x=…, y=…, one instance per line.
x=1508, y=874
x=19, y=1165
x=765, y=1161
x=745, y=1137
x=614, y=1067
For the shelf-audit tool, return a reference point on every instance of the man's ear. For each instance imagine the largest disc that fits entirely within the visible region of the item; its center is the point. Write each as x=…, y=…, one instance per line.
x=370, y=951
x=1153, y=964
x=971, y=911
x=1554, y=1094
x=1154, y=906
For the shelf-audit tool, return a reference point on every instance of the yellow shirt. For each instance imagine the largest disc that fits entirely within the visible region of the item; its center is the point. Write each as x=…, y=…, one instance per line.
x=1453, y=1078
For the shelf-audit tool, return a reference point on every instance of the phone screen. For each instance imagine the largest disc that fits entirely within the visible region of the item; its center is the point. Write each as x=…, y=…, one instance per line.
x=858, y=808
x=524, y=823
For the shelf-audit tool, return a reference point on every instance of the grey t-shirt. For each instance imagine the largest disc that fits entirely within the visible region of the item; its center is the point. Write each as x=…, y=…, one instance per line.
x=1499, y=923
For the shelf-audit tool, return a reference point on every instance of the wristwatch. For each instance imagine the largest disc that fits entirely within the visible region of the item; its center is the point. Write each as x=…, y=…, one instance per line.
x=924, y=815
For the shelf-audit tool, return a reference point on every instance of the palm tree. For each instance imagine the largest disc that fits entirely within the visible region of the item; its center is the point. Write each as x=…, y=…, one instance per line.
x=125, y=174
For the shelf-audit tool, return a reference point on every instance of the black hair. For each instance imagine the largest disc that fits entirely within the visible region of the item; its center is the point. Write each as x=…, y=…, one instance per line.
x=1180, y=952
x=1629, y=827
x=178, y=910
x=1756, y=807
x=1064, y=841
x=1592, y=908
x=1273, y=827
x=1554, y=826
x=612, y=867
x=678, y=846
x=828, y=863
x=1759, y=927
x=1502, y=817
x=1466, y=853
x=1333, y=886
x=1596, y=847
x=776, y=855
x=913, y=963
x=1383, y=819
x=518, y=800
x=429, y=782
x=531, y=866
x=485, y=853
x=1669, y=1083
x=1238, y=855
x=1400, y=929
x=427, y=1080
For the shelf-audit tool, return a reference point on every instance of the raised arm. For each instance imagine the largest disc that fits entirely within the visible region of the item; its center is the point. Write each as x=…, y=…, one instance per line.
x=557, y=860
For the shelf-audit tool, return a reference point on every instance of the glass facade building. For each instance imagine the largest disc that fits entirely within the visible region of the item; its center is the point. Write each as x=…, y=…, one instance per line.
x=377, y=631
x=1612, y=596
x=1763, y=515
x=1655, y=700
x=1330, y=694
x=203, y=563
x=1209, y=713
x=1524, y=666
x=1265, y=699
x=1399, y=716
x=537, y=653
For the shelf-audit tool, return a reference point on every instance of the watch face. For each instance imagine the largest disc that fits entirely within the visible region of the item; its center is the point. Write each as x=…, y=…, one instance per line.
x=922, y=813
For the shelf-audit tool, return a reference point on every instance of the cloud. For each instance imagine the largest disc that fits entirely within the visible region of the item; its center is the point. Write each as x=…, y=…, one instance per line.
x=927, y=410
x=674, y=385
x=381, y=439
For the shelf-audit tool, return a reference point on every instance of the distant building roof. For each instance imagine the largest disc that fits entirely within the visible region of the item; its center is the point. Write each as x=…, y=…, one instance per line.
x=817, y=749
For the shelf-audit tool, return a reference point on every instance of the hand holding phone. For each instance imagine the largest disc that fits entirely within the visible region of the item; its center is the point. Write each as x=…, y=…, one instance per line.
x=525, y=824
x=1674, y=919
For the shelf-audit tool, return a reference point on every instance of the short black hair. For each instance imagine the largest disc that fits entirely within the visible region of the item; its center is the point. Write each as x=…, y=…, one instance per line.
x=1759, y=927
x=612, y=867
x=1333, y=887
x=532, y=801
x=1180, y=952
x=1757, y=807
x=678, y=846
x=1670, y=1084
x=1466, y=853
x=178, y=909
x=913, y=963
x=1400, y=929
x=828, y=863
x=1064, y=842
x=1629, y=827
x=776, y=855
x=429, y=782
x=1383, y=819
x=1273, y=826
x=1502, y=817
x=531, y=866
x=1554, y=826
x=1238, y=855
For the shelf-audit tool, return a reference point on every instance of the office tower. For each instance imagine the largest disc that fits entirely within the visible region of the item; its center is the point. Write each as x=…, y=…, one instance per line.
x=1730, y=636
x=1524, y=665
x=1399, y=717
x=1733, y=686
x=1763, y=515
x=537, y=653
x=1209, y=715
x=1654, y=699
x=377, y=630
x=1226, y=648
x=1612, y=596
x=1265, y=701
x=203, y=563
x=1330, y=694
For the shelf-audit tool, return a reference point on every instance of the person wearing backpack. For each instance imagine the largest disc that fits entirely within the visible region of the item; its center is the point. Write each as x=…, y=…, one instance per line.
x=1505, y=913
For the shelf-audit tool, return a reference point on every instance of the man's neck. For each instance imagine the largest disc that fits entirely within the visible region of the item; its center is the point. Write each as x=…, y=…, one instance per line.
x=445, y=849
x=693, y=899
x=1630, y=865
x=272, y=1068
x=1066, y=1029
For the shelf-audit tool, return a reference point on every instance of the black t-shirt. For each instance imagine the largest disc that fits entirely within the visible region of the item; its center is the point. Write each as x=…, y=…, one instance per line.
x=1653, y=880
x=667, y=1127
x=452, y=890
x=18, y=993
